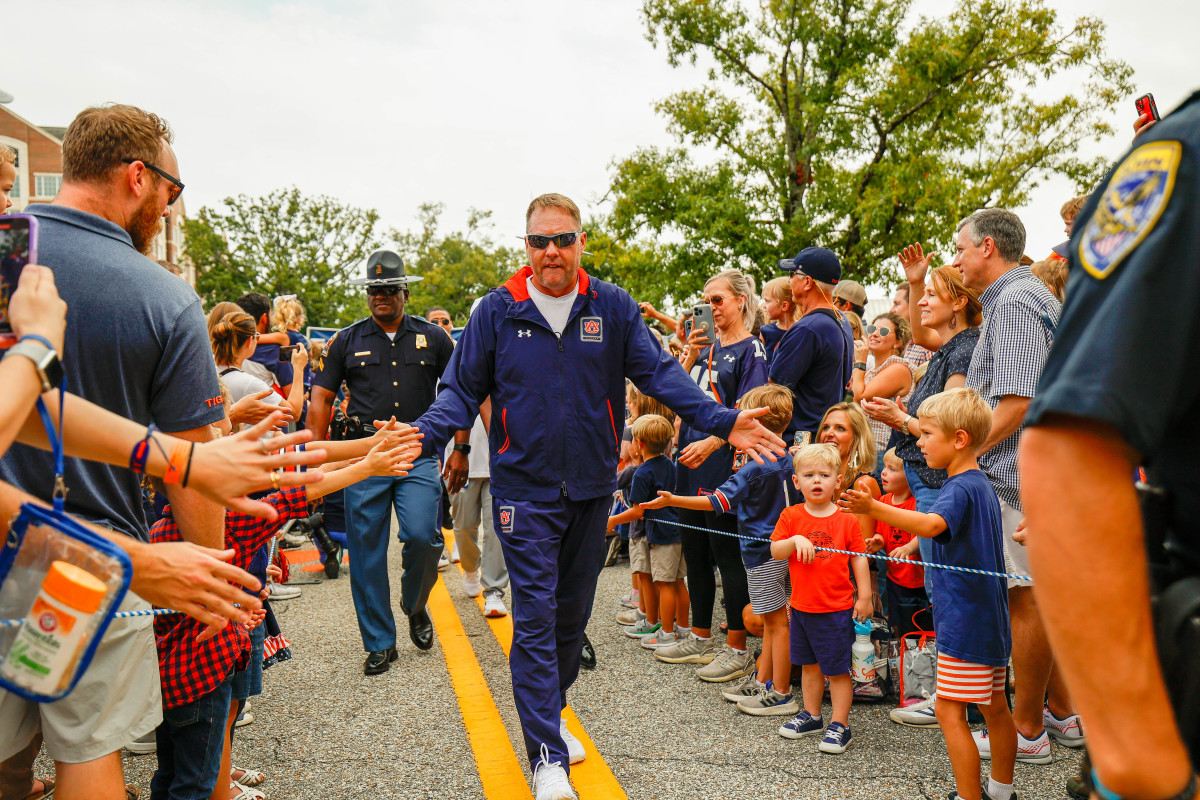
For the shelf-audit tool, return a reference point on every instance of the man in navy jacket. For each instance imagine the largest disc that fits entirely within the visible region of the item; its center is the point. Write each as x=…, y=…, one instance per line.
x=552, y=348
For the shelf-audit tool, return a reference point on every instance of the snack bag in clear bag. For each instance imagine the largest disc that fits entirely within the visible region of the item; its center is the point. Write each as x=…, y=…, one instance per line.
x=60, y=585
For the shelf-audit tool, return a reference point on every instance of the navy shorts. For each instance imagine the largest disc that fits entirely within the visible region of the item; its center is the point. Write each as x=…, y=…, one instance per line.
x=824, y=639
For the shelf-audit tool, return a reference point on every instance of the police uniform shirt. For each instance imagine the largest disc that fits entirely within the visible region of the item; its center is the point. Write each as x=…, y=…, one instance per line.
x=386, y=377
x=1128, y=334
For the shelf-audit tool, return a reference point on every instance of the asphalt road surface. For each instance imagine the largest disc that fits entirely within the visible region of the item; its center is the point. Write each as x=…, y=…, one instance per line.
x=442, y=723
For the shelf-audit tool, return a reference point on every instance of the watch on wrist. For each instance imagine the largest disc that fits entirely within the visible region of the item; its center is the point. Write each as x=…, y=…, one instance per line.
x=45, y=360
x=862, y=366
x=465, y=449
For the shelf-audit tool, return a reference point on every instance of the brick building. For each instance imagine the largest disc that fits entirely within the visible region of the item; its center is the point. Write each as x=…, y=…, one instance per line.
x=39, y=174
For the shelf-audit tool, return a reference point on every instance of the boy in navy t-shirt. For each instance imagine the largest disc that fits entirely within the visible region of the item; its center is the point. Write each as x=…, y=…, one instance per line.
x=973, y=630
x=652, y=436
x=759, y=493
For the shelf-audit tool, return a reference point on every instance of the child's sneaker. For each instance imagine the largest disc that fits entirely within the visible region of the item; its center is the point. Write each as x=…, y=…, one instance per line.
x=728, y=666
x=691, y=650
x=1029, y=751
x=918, y=715
x=804, y=724
x=769, y=703
x=1067, y=732
x=575, y=751
x=631, y=600
x=837, y=739
x=747, y=688
x=630, y=617
x=641, y=628
x=658, y=640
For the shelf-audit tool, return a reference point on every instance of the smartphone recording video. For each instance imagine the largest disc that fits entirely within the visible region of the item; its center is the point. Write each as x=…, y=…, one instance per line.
x=285, y=351
x=18, y=247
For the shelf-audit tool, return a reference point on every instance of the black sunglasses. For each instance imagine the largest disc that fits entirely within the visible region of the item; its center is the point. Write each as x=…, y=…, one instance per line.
x=386, y=291
x=561, y=240
x=445, y=323
x=176, y=185
x=882, y=330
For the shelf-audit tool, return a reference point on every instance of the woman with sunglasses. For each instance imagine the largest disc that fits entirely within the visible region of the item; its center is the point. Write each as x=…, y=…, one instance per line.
x=726, y=369
x=891, y=377
x=234, y=338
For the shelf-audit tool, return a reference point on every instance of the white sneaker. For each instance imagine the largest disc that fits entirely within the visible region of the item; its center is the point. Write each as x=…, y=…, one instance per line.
x=1029, y=751
x=1067, y=732
x=575, y=752
x=550, y=781
x=493, y=605
x=281, y=591
x=471, y=584
x=443, y=562
x=918, y=715
x=454, y=556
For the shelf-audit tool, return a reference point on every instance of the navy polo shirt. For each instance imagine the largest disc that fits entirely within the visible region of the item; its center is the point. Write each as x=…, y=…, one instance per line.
x=814, y=359
x=136, y=344
x=387, y=377
x=655, y=475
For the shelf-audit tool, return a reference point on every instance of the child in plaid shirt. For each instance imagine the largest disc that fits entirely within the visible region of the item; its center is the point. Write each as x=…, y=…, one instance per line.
x=195, y=672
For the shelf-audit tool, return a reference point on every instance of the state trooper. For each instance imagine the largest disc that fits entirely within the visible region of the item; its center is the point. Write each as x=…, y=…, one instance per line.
x=391, y=362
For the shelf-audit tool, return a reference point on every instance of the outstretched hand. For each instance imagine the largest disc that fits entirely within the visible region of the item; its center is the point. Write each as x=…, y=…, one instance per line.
x=856, y=501
x=915, y=262
x=658, y=502
x=749, y=435
x=388, y=460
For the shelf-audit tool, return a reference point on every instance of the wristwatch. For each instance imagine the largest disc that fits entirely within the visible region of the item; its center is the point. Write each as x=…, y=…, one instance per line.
x=904, y=425
x=44, y=358
x=465, y=449
x=861, y=365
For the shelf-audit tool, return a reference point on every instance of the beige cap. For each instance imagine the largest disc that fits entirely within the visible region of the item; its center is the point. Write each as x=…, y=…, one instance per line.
x=850, y=291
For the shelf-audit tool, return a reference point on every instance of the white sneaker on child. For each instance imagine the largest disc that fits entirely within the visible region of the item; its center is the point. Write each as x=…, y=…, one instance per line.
x=575, y=751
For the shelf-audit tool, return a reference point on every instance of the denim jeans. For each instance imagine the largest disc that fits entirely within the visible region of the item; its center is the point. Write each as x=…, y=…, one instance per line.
x=926, y=497
x=191, y=739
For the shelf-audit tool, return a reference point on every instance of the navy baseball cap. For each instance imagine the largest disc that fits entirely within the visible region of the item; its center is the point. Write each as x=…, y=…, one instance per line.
x=818, y=263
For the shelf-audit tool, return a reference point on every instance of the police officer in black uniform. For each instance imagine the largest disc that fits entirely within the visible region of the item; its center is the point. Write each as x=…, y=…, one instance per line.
x=391, y=362
x=1120, y=390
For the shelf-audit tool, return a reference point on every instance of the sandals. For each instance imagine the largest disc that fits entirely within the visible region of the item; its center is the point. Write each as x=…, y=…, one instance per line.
x=246, y=792
x=249, y=777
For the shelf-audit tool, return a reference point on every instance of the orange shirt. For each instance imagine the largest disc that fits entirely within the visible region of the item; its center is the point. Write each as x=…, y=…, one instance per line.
x=908, y=576
x=823, y=585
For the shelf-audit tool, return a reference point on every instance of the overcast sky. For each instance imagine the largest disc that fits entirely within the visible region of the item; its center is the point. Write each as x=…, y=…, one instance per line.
x=463, y=102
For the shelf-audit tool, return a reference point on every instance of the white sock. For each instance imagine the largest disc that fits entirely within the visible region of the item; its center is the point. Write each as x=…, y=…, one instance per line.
x=682, y=631
x=739, y=652
x=999, y=791
x=703, y=638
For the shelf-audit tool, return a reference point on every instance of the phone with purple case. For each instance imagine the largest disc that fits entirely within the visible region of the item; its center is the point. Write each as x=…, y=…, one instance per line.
x=18, y=247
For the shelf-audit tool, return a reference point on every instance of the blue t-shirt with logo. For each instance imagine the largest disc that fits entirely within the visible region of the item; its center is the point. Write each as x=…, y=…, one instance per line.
x=758, y=493
x=970, y=614
x=655, y=475
x=735, y=369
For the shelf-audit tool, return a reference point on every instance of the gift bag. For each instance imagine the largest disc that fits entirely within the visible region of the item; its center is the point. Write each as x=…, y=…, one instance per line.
x=918, y=667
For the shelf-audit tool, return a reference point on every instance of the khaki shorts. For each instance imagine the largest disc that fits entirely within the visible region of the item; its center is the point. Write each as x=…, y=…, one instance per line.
x=116, y=701
x=639, y=555
x=666, y=563
x=1016, y=557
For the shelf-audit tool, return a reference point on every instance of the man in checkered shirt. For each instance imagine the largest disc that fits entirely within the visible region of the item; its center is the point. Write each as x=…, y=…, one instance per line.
x=1019, y=317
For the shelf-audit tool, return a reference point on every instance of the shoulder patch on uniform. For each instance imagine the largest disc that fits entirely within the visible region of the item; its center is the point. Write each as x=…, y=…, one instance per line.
x=1132, y=203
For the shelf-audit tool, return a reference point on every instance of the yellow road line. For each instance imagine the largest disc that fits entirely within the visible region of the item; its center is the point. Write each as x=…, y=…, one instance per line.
x=499, y=771
x=592, y=778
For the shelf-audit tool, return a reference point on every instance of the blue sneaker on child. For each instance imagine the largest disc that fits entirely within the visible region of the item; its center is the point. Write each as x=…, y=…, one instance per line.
x=837, y=739
x=804, y=724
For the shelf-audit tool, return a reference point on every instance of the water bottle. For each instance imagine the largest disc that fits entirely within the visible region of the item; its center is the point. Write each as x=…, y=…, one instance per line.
x=862, y=654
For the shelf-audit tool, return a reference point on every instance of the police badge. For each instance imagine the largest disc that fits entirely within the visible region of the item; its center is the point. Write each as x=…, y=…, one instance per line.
x=1136, y=196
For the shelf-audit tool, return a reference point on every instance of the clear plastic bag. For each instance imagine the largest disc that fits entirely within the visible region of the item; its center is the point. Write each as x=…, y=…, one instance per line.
x=37, y=539
x=918, y=667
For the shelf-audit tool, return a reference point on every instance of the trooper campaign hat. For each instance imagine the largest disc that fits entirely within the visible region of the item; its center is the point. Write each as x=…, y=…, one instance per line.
x=385, y=268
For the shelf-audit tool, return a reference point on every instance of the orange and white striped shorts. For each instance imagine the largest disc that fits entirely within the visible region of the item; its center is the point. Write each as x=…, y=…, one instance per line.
x=967, y=682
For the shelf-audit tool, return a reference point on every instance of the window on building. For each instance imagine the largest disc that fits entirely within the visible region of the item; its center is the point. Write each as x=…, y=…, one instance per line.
x=16, y=190
x=46, y=185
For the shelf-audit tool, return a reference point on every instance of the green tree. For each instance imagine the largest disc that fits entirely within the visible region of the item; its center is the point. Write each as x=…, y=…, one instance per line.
x=850, y=124
x=284, y=243
x=457, y=267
